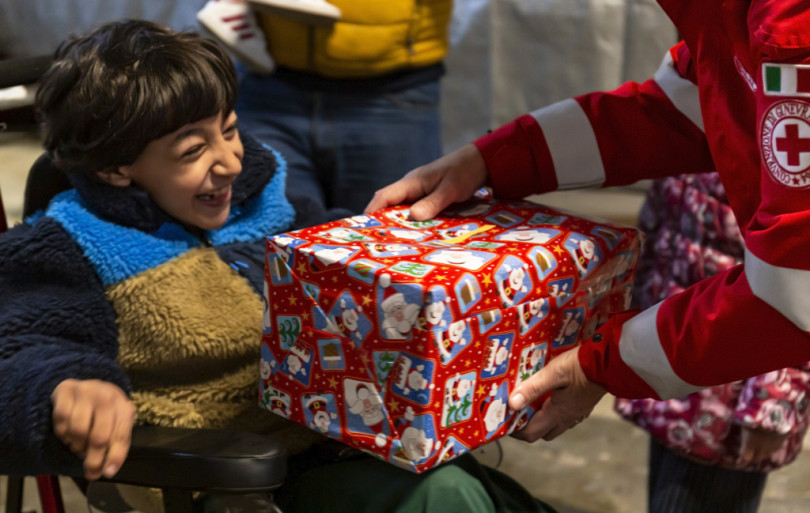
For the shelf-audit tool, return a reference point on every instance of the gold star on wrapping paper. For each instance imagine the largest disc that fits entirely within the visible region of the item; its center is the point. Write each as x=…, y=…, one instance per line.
x=305, y=317
x=332, y=383
x=334, y=279
x=292, y=299
x=461, y=431
x=393, y=406
x=302, y=268
x=487, y=279
x=440, y=277
x=365, y=359
x=482, y=390
x=488, y=301
x=477, y=434
x=367, y=300
x=539, y=290
x=559, y=250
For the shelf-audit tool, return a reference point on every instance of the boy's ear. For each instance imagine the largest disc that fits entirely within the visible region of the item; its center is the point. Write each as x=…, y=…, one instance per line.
x=115, y=176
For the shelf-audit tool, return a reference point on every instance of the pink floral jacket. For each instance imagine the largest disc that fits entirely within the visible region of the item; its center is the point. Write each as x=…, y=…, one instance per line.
x=692, y=234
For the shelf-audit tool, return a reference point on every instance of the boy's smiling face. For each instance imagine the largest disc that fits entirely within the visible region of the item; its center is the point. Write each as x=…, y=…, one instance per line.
x=188, y=173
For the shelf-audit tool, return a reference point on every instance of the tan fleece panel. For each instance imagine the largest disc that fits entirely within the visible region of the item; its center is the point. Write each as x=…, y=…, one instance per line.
x=194, y=308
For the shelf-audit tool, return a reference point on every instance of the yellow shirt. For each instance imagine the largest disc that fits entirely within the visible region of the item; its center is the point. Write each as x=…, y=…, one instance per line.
x=372, y=38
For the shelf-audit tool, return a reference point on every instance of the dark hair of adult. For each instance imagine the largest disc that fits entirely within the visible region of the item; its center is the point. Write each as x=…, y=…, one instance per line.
x=112, y=91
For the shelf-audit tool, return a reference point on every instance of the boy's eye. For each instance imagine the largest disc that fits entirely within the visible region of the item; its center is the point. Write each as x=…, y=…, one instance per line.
x=193, y=150
x=231, y=129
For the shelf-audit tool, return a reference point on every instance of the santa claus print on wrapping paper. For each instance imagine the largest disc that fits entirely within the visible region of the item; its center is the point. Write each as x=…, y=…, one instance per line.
x=530, y=314
x=320, y=413
x=569, y=328
x=586, y=254
x=399, y=306
x=402, y=233
x=452, y=341
x=417, y=439
x=347, y=319
x=412, y=378
x=390, y=249
x=364, y=411
x=561, y=289
x=513, y=281
x=496, y=355
x=435, y=315
x=285, y=245
x=276, y=401
x=493, y=409
x=458, y=399
x=298, y=363
x=528, y=235
x=532, y=359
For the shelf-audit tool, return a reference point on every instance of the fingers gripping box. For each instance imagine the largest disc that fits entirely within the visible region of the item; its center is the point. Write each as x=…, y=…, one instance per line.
x=405, y=338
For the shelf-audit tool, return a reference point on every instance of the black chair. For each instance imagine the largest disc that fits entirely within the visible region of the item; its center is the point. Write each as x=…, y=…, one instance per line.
x=176, y=460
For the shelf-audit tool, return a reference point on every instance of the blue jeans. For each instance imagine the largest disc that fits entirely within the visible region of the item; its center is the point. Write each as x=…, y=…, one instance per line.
x=341, y=147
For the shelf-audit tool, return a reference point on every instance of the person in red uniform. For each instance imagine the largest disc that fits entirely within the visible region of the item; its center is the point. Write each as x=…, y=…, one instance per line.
x=733, y=96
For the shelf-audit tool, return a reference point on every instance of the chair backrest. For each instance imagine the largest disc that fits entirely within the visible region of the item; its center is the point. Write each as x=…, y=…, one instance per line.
x=44, y=182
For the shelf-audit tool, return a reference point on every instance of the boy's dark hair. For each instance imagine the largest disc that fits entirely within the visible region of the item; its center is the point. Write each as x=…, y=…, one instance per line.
x=112, y=91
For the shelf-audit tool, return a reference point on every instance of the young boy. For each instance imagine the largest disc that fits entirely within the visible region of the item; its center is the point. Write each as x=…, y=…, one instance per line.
x=136, y=296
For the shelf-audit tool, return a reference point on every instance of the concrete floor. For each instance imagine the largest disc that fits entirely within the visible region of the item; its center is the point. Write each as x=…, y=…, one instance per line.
x=599, y=467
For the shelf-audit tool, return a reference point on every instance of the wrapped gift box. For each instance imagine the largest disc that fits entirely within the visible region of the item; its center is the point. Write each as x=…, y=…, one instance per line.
x=405, y=338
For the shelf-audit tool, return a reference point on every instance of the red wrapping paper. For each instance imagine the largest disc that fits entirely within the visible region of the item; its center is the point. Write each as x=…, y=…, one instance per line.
x=404, y=339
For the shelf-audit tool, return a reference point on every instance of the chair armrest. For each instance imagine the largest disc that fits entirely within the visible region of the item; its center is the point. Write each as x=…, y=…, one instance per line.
x=203, y=459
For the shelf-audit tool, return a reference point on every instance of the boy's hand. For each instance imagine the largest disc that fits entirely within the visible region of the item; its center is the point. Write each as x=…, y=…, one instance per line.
x=454, y=177
x=94, y=418
x=757, y=445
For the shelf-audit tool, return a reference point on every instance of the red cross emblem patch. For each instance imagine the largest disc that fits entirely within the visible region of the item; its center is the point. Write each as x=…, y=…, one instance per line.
x=785, y=142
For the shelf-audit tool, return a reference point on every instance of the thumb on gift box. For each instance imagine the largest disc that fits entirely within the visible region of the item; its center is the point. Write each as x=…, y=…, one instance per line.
x=572, y=397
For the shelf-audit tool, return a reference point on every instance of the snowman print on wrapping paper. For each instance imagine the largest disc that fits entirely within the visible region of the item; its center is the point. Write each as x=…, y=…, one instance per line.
x=364, y=411
x=399, y=307
x=361, y=221
x=513, y=281
x=344, y=235
x=276, y=401
x=496, y=355
x=585, y=253
x=530, y=314
x=451, y=342
x=417, y=439
x=322, y=256
x=347, y=319
x=532, y=359
x=320, y=414
x=298, y=363
x=458, y=399
x=528, y=235
x=493, y=409
x=412, y=378
x=469, y=259
x=569, y=329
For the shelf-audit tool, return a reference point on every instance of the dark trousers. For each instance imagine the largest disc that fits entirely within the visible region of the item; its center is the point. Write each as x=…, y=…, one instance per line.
x=678, y=485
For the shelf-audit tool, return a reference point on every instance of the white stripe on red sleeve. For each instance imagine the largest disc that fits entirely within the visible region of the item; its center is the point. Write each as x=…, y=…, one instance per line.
x=783, y=288
x=641, y=350
x=577, y=164
x=680, y=91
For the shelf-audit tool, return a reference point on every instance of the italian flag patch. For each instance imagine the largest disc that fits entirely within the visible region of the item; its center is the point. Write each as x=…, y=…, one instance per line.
x=786, y=79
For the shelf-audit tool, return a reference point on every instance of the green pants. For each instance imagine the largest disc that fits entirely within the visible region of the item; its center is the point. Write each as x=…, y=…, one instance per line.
x=368, y=485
